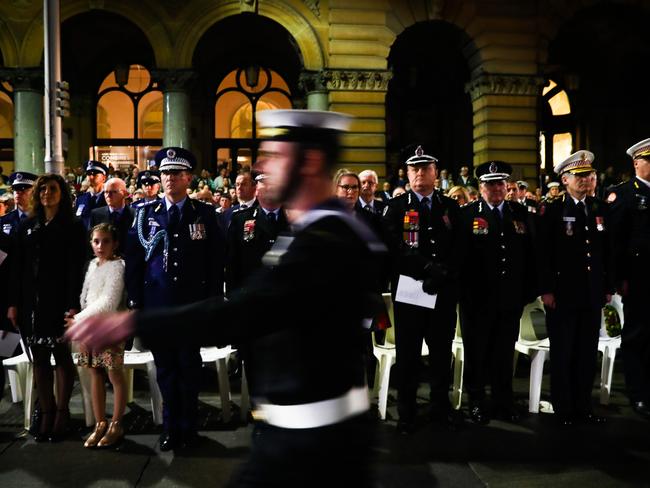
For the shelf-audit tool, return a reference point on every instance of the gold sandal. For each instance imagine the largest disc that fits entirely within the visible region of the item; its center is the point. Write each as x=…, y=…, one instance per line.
x=113, y=436
x=98, y=433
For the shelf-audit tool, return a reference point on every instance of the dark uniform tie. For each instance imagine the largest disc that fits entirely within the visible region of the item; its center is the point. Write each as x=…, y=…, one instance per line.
x=174, y=217
x=368, y=208
x=581, y=219
x=243, y=206
x=497, y=216
x=273, y=223
x=425, y=203
x=114, y=218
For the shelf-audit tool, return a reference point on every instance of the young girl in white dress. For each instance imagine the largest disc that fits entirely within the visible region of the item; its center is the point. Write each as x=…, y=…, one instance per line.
x=103, y=291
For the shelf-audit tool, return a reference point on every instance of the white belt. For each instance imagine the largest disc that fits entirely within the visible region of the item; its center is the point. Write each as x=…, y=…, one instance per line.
x=316, y=414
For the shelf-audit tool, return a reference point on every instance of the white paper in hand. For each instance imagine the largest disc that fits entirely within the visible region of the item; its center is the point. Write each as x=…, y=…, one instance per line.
x=410, y=291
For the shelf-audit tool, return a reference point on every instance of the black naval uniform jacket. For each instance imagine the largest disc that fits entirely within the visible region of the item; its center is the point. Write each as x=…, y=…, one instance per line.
x=437, y=239
x=575, y=264
x=86, y=203
x=250, y=236
x=501, y=254
x=630, y=218
x=319, y=287
x=187, y=269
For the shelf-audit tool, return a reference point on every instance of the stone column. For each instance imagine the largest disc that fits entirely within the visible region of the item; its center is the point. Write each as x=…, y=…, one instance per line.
x=313, y=85
x=361, y=93
x=505, y=121
x=29, y=138
x=176, y=105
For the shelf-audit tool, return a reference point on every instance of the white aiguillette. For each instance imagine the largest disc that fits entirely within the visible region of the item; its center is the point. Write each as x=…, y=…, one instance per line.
x=410, y=291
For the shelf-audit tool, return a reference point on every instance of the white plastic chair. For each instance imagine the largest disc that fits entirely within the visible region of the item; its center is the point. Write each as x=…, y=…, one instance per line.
x=21, y=381
x=138, y=358
x=608, y=346
x=537, y=349
x=386, y=355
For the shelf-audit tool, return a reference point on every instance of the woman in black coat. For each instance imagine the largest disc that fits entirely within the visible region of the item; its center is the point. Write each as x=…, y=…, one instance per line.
x=51, y=251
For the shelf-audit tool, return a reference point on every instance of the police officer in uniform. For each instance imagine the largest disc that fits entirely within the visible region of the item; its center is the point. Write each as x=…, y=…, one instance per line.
x=497, y=254
x=252, y=232
x=94, y=197
x=313, y=429
x=22, y=184
x=576, y=280
x=630, y=209
x=174, y=256
x=422, y=226
x=149, y=181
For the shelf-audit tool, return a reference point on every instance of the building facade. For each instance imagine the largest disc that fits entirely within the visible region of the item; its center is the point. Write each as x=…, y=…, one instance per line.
x=525, y=81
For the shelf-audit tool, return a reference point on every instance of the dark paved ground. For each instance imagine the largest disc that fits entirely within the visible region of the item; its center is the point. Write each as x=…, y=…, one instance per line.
x=530, y=454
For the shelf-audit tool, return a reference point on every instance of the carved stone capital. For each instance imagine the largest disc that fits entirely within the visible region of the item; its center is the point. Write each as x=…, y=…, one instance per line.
x=314, y=6
x=24, y=79
x=498, y=84
x=173, y=79
x=356, y=80
x=311, y=81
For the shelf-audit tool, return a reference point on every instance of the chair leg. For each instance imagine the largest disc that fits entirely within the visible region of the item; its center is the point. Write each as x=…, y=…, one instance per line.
x=15, y=383
x=459, y=366
x=156, y=396
x=224, y=388
x=515, y=358
x=607, y=372
x=84, y=381
x=28, y=395
x=538, y=357
x=386, y=364
x=245, y=398
x=128, y=383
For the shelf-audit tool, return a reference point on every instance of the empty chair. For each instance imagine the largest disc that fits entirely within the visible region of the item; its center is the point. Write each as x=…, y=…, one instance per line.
x=220, y=356
x=608, y=346
x=537, y=349
x=143, y=359
x=21, y=381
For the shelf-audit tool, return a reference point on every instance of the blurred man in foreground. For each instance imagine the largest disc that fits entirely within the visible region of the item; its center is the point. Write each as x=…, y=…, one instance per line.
x=310, y=409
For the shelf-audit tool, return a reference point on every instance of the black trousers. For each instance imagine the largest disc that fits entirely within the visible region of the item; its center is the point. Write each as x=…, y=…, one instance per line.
x=635, y=345
x=573, y=333
x=436, y=327
x=335, y=455
x=178, y=373
x=489, y=337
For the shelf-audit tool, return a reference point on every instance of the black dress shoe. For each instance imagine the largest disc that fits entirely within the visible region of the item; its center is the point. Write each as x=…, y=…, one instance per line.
x=167, y=442
x=191, y=440
x=479, y=415
x=405, y=427
x=641, y=408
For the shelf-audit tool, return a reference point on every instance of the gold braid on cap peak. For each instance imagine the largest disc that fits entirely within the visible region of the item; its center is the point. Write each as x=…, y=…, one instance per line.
x=642, y=151
x=272, y=132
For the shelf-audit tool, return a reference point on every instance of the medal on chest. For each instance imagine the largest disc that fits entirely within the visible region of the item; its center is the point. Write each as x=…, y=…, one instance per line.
x=569, y=223
x=520, y=227
x=249, y=230
x=445, y=219
x=197, y=232
x=642, y=202
x=411, y=233
x=479, y=226
x=600, y=223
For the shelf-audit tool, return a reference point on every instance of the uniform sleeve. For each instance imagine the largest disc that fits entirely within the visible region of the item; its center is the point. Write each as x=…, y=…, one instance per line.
x=112, y=290
x=135, y=265
x=620, y=228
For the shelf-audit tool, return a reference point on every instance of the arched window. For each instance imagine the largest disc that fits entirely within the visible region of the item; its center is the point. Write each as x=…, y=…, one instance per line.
x=6, y=127
x=556, y=137
x=129, y=125
x=240, y=96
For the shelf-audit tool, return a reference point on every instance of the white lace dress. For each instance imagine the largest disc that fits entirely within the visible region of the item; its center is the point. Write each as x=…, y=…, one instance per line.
x=103, y=291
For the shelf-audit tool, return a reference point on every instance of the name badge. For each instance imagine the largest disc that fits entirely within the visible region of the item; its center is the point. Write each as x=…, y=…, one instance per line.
x=197, y=232
x=80, y=209
x=152, y=222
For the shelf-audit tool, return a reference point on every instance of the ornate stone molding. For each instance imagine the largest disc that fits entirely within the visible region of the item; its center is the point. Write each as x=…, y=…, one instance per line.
x=173, y=79
x=314, y=6
x=498, y=84
x=353, y=80
x=31, y=79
